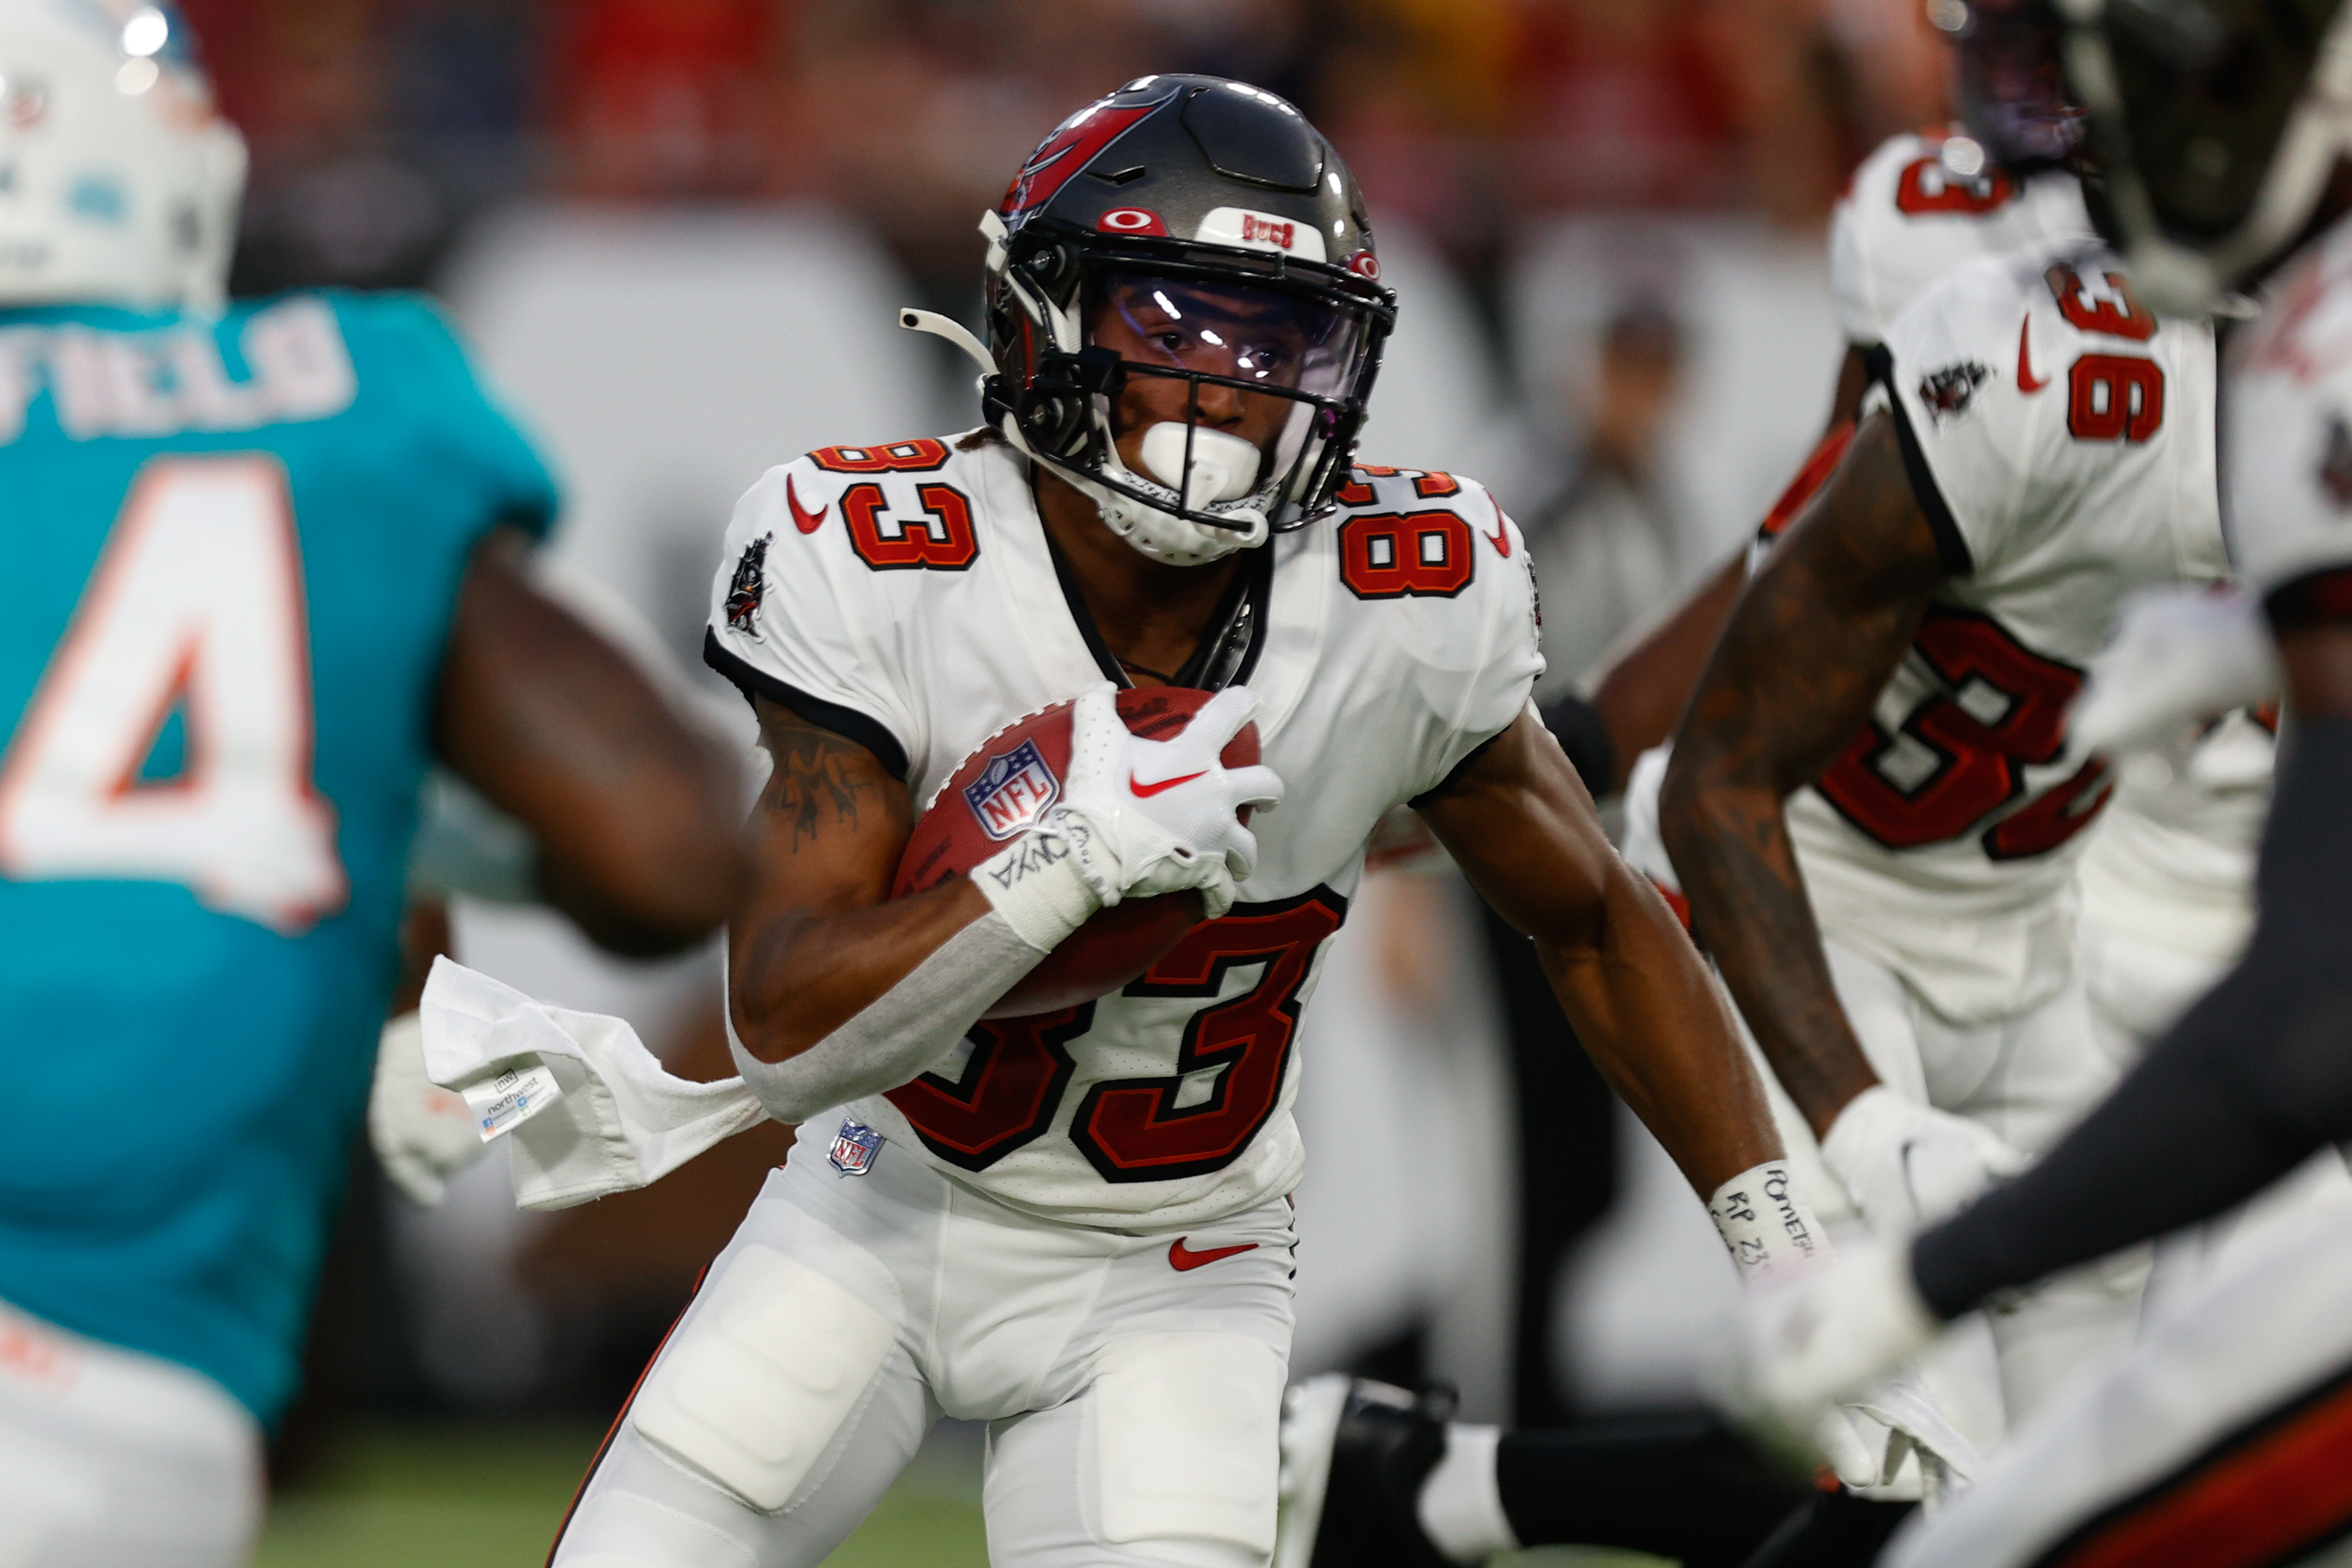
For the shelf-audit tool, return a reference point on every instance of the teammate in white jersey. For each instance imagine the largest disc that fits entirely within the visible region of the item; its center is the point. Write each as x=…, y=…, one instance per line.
x=1899, y=935
x=1919, y=207
x=1076, y=1226
x=2221, y=1439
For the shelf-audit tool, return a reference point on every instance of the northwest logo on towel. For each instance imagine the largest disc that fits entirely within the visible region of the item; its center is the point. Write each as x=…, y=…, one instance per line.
x=853, y=1148
x=1013, y=791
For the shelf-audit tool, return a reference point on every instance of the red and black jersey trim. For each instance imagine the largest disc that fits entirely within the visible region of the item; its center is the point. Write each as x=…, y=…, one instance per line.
x=2316, y=599
x=1951, y=545
x=847, y=722
x=2269, y=1494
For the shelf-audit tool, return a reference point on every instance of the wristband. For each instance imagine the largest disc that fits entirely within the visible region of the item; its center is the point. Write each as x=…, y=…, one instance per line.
x=1772, y=1235
x=1038, y=884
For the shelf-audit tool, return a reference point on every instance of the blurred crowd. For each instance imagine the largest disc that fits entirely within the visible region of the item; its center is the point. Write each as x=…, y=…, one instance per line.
x=380, y=126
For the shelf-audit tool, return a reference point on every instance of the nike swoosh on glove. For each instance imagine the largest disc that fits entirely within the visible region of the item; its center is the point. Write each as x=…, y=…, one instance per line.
x=1907, y=1165
x=1801, y=1352
x=2181, y=656
x=422, y=1134
x=1145, y=817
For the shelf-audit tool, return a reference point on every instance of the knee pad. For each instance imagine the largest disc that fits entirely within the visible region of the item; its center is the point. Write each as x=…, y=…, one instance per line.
x=1187, y=1441
x=774, y=1361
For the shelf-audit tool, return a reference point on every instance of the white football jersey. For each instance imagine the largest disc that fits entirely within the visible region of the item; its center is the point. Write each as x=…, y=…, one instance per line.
x=2289, y=483
x=1904, y=221
x=907, y=597
x=2061, y=440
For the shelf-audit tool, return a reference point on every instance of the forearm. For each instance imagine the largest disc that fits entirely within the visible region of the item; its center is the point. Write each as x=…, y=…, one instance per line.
x=1640, y=698
x=900, y=1033
x=1729, y=841
x=2246, y=1086
x=632, y=811
x=1655, y=1024
x=797, y=976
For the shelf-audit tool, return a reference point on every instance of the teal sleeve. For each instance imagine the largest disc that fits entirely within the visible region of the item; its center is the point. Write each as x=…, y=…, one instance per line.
x=463, y=429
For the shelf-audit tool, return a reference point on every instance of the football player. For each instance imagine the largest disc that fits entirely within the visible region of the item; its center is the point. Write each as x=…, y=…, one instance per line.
x=1870, y=802
x=262, y=559
x=1074, y=1225
x=1920, y=206
x=2220, y=1439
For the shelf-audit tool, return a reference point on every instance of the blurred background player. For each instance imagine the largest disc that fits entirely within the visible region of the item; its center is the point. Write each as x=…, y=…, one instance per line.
x=2220, y=1439
x=1919, y=207
x=263, y=559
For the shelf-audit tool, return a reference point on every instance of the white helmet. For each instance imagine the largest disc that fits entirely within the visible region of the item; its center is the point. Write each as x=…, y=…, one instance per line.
x=120, y=182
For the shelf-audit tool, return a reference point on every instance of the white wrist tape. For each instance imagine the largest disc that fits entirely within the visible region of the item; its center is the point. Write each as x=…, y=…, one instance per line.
x=902, y=1032
x=1772, y=1236
x=1039, y=884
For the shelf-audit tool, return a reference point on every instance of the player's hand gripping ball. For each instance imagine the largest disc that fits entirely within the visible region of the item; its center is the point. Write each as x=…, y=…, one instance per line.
x=1003, y=788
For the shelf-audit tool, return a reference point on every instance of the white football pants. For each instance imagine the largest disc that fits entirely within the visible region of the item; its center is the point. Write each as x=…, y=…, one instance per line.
x=2224, y=1440
x=1132, y=1383
x=110, y=1459
x=2028, y=1079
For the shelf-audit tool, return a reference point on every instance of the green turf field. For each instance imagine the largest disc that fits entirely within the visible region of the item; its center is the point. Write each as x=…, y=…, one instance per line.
x=491, y=1497
x=482, y=1496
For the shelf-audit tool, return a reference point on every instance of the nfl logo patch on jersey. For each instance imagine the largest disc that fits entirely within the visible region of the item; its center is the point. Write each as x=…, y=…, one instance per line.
x=853, y=1148
x=1012, y=792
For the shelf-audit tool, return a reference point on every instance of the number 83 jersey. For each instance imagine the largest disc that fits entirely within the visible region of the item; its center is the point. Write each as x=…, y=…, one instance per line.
x=2060, y=439
x=908, y=597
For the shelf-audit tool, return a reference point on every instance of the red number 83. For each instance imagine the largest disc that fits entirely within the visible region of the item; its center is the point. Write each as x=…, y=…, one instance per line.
x=1977, y=757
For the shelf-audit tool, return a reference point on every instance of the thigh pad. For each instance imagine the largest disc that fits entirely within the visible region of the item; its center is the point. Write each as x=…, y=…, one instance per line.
x=756, y=1385
x=1186, y=1438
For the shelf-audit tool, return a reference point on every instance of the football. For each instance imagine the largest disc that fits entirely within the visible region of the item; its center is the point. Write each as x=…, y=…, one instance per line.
x=998, y=792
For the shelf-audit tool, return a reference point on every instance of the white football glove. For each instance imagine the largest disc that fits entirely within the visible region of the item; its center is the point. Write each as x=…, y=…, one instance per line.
x=2181, y=656
x=1822, y=1342
x=422, y=1134
x=1907, y=1165
x=1135, y=818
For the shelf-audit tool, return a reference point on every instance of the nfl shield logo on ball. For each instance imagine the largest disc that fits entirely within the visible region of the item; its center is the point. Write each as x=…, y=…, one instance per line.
x=1012, y=792
x=853, y=1148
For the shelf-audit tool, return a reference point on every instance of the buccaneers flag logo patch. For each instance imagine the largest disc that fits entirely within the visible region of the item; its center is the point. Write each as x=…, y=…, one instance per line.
x=1947, y=392
x=745, y=588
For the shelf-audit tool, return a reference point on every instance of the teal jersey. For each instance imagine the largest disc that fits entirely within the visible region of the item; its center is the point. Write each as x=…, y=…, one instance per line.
x=232, y=550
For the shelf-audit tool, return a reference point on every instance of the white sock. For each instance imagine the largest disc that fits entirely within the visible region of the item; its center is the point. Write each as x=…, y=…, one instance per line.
x=1461, y=1508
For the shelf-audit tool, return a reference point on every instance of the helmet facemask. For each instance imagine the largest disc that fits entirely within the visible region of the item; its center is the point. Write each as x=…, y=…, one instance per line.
x=1202, y=401
x=2215, y=124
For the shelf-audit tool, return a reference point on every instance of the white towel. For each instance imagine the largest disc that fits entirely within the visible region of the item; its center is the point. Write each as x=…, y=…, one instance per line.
x=622, y=1122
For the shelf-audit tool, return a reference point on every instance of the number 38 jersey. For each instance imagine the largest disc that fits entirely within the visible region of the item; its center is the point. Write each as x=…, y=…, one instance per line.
x=2060, y=440
x=232, y=550
x=907, y=598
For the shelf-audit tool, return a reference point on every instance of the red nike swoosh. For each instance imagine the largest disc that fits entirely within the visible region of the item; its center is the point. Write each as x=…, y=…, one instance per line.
x=2026, y=383
x=808, y=522
x=1143, y=791
x=1181, y=1258
x=1501, y=538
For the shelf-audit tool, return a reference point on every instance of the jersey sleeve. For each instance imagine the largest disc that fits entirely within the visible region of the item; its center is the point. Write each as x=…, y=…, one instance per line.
x=467, y=434
x=791, y=619
x=1477, y=654
x=2287, y=484
x=1854, y=240
x=1973, y=443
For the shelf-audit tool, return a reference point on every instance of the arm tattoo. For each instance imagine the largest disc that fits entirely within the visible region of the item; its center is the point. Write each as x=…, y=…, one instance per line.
x=1806, y=651
x=817, y=775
